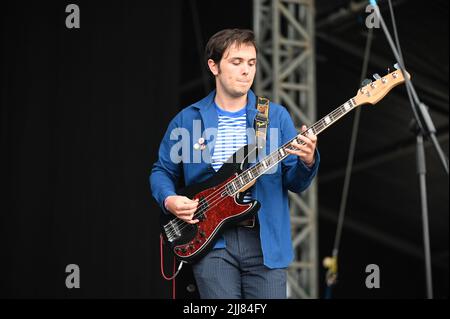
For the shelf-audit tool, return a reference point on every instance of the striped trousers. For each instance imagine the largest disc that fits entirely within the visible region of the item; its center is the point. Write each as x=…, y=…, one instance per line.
x=238, y=271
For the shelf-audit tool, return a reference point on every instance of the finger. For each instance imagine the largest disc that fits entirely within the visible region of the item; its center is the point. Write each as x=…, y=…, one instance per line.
x=312, y=137
x=186, y=213
x=298, y=146
x=187, y=206
x=309, y=133
x=189, y=201
x=299, y=150
x=305, y=139
x=294, y=152
x=308, y=145
x=189, y=219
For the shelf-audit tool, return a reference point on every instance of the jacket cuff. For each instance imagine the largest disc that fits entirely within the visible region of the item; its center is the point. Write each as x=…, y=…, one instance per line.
x=162, y=200
x=308, y=169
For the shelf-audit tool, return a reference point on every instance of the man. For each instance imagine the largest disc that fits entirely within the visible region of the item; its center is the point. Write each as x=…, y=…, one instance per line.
x=250, y=259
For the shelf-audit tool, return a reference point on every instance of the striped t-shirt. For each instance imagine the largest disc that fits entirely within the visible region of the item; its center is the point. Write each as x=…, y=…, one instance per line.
x=231, y=135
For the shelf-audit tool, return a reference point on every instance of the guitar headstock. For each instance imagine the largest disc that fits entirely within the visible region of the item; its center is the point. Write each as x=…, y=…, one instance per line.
x=376, y=90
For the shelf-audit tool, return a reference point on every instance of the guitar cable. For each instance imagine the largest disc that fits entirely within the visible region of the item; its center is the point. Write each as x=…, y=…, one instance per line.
x=175, y=273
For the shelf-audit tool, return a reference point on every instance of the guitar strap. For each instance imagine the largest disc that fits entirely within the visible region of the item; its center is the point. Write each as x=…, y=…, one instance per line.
x=261, y=122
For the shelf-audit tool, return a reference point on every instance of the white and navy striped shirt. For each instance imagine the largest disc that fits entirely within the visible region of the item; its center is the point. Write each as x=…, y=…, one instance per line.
x=231, y=135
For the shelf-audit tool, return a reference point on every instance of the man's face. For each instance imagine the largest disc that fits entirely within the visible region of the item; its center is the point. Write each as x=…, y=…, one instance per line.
x=236, y=70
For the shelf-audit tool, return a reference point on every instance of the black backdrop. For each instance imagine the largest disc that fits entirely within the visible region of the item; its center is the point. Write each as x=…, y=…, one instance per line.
x=81, y=117
x=82, y=114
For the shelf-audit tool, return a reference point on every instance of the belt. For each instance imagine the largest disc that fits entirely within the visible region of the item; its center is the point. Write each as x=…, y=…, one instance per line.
x=250, y=223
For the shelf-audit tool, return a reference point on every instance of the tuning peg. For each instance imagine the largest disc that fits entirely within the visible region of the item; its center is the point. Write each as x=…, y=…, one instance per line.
x=365, y=82
x=397, y=66
x=376, y=76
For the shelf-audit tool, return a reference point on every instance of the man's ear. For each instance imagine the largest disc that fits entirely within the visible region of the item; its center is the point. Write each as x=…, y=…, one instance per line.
x=213, y=67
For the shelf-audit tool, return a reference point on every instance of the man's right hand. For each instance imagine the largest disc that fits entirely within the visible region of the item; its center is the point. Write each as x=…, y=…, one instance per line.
x=182, y=207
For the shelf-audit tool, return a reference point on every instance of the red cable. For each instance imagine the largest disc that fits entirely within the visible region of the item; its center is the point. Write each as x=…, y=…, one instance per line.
x=162, y=267
x=173, y=280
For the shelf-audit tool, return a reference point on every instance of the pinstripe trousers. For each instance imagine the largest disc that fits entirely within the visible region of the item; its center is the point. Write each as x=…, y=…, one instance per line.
x=238, y=271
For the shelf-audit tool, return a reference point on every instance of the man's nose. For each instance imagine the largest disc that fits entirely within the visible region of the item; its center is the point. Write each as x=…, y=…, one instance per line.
x=245, y=69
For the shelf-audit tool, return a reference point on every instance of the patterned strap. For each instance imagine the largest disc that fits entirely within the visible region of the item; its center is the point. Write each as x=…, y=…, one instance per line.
x=262, y=122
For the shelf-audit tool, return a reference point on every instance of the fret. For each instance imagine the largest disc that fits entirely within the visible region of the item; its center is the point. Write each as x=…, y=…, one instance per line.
x=299, y=141
x=329, y=119
x=322, y=124
x=232, y=187
x=263, y=163
x=255, y=171
x=274, y=158
x=258, y=169
x=319, y=126
x=347, y=106
x=340, y=112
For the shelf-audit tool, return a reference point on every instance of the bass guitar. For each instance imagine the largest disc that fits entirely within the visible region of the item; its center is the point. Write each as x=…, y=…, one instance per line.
x=221, y=196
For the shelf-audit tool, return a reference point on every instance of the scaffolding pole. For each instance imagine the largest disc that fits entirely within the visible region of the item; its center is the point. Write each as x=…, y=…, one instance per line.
x=284, y=32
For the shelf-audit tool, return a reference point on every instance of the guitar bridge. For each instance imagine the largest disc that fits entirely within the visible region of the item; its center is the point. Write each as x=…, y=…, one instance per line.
x=172, y=230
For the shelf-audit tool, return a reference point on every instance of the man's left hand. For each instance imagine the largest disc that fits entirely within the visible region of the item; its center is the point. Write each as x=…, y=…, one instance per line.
x=307, y=150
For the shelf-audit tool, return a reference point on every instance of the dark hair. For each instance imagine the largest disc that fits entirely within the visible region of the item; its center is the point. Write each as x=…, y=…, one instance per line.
x=220, y=41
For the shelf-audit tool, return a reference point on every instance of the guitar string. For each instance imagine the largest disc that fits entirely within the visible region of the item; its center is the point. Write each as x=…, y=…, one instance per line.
x=204, y=207
x=318, y=123
x=213, y=204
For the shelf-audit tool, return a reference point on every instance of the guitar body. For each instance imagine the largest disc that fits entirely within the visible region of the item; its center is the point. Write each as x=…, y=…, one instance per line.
x=216, y=211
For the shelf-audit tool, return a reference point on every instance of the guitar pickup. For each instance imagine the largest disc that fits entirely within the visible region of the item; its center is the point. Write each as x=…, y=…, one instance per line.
x=203, y=205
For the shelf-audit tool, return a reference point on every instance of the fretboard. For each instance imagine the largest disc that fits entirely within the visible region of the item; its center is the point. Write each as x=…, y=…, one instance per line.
x=254, y=172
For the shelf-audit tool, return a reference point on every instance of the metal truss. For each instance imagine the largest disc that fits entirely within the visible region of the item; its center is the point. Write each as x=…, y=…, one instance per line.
x=286, y=74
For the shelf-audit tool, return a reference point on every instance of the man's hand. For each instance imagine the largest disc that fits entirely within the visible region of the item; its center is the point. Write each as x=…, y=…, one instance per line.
x=182, y=207
x=307, y=150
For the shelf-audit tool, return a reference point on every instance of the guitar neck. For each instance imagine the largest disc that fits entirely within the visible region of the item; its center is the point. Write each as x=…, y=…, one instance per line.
x=251, y=174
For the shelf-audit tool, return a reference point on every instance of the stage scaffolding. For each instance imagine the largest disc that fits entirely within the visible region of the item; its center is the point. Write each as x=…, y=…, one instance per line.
x=286, y=74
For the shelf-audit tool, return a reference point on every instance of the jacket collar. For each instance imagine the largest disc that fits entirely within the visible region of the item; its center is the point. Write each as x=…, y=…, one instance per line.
x=209, y=114
x=206, y=108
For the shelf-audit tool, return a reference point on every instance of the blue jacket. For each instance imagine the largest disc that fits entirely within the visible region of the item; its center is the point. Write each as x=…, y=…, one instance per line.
x=270, y=190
